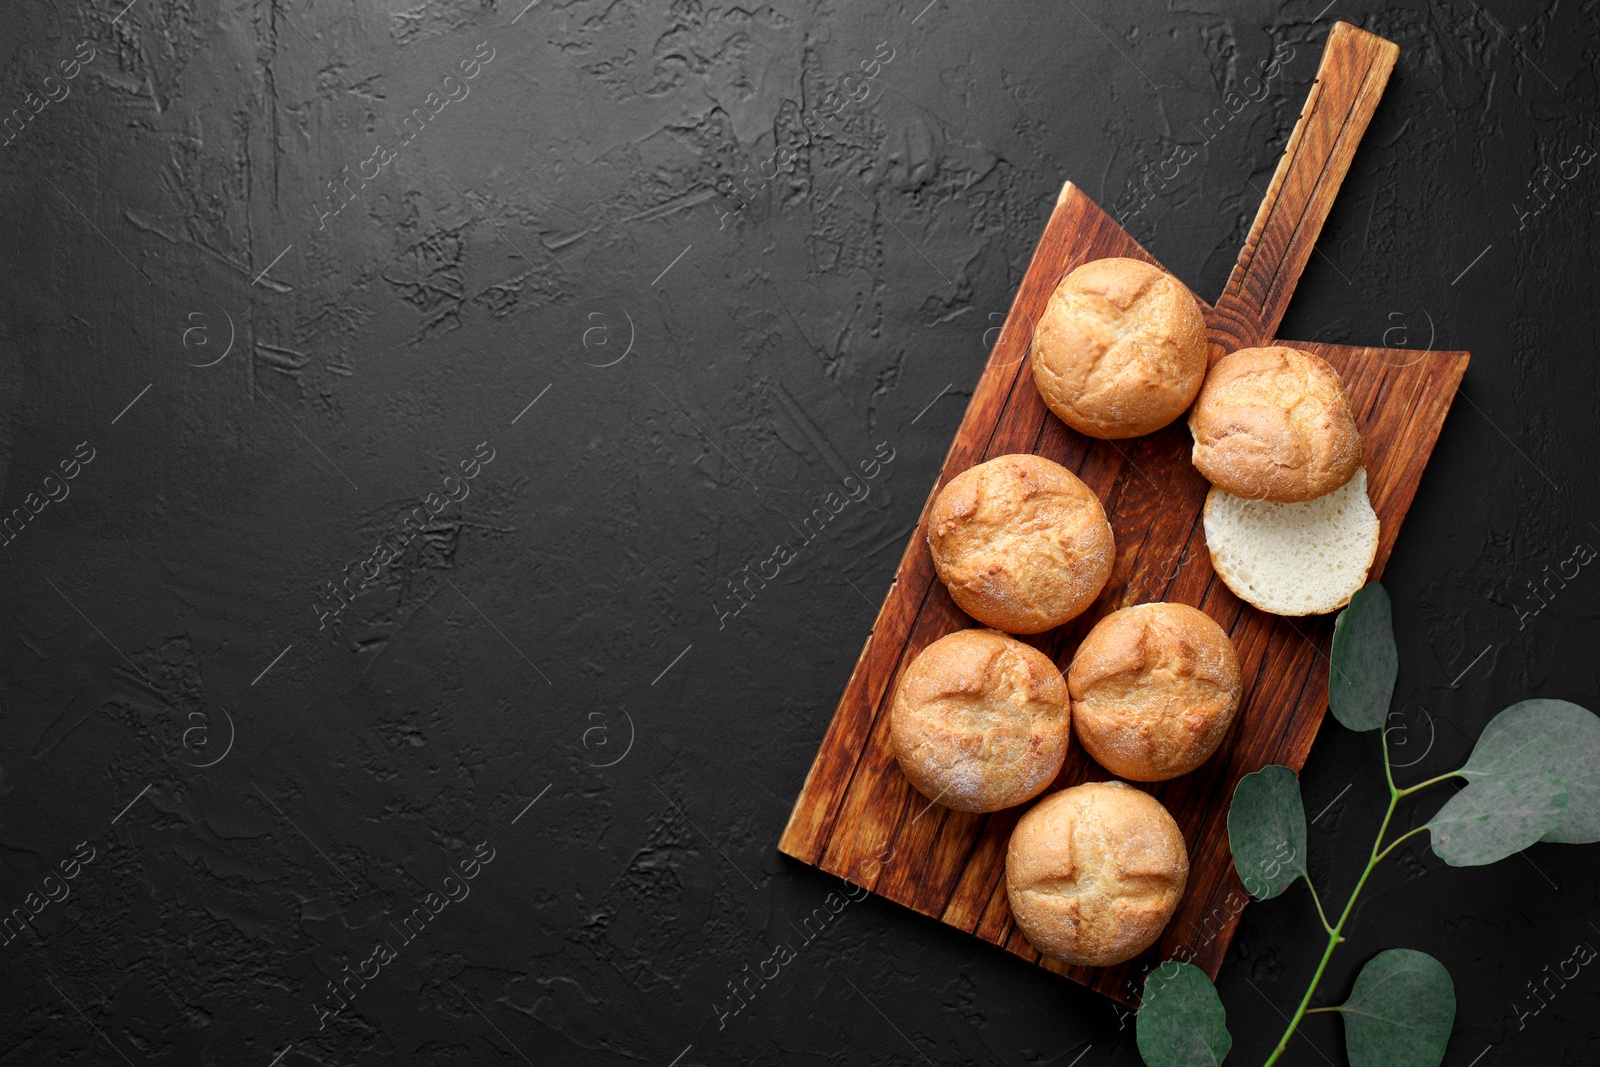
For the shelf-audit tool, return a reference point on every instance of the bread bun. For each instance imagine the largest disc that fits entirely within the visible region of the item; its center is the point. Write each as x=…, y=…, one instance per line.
x=981, y=721
x=1274, y=424
x=1120, y=350
x=1094, y=873
x=1154, y=689
x=1294, y=559
x=1022, y=544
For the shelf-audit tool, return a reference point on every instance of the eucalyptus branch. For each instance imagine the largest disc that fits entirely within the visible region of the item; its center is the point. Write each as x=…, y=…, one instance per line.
x=1534, y=775
x=1336, y=933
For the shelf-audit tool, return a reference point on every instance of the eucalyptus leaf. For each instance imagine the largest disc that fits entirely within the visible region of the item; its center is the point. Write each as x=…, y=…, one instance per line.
x=1534, y=775
x=1364, y=661
x=1495, y=818
x=1400, y=1012
x=1181, y=1019
x=1267, y=831
x=1565, y=738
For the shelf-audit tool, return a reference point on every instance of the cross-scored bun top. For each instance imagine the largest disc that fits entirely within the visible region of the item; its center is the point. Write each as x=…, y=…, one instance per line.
x=1274, y=424
x=1094, y=873
x=1154, y=689
x=1022, y=544
x=1120, y=350
x=981, y=721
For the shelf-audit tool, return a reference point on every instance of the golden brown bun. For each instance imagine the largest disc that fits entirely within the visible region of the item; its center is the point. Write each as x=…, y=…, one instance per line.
x=1093, y=873
x=1120, y=350
x=1021, y=542
x=981, y=721
x=1154, y=689
x=1274, y=424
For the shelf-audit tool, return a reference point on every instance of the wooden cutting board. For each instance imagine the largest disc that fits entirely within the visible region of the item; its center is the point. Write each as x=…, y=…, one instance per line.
x=858, y=817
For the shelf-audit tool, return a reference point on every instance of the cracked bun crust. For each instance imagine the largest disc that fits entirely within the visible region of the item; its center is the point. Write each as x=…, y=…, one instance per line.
x=1120, y=350
x=981, y=721
x=1274, y=424
x=1094, y=873
x=1022, y=544
x=1154, y=689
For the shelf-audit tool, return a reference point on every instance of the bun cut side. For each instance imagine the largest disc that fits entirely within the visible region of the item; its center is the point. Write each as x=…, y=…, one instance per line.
x=1294, y=559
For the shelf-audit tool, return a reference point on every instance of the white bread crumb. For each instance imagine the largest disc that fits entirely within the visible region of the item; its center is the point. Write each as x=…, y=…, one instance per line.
x=1294, y=559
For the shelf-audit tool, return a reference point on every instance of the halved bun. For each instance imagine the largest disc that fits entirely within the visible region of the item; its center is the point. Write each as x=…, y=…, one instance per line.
x=1274, y=424
x=1294, y=559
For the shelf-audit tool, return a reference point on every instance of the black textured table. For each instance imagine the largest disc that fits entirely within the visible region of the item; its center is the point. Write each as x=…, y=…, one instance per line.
x=453, y=454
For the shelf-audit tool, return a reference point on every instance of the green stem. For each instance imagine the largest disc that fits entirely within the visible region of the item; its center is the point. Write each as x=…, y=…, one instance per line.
x=1317, y=900
x=1397, y=841
x=1420, y=786
x=1334, y=937
x=1335, y=932
x=1388, y=770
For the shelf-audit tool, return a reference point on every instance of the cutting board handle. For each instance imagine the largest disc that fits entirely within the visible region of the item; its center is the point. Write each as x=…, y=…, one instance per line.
x=1354, y=70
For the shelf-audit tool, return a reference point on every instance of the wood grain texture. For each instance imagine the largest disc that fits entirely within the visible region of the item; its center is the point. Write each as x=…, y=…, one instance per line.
x=1350, y=79
x=859, y=818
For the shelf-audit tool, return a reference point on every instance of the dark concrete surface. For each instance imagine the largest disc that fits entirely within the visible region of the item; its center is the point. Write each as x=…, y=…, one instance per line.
x=253, y=378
